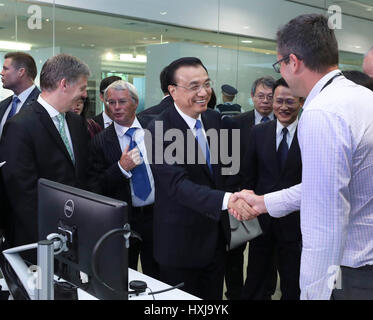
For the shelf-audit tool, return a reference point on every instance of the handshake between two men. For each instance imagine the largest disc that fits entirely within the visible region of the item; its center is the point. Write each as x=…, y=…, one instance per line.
x=246, y=205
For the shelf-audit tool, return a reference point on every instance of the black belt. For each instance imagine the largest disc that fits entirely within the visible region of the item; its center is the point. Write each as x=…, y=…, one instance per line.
x=144, y=209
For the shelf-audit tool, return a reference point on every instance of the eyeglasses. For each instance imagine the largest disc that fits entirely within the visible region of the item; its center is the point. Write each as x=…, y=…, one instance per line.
x=113, y=103
x=197, y=88
x=277, y=64
x=288, y=102
x=262, y=97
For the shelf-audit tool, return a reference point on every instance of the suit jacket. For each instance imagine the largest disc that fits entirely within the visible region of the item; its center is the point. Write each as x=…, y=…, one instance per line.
x=33, y=96
x=149, y=114
x=188, y=219
x=262, y=173
x=105, y=177
x=33, y=149
x=100, y=120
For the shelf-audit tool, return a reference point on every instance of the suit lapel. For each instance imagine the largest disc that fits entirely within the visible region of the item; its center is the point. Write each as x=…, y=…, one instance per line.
x=47, y=122
x=4, y=105
x=32, y=97
x=112, y=144
x=294, y=150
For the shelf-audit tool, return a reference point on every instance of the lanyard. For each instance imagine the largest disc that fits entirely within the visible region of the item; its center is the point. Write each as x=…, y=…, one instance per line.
x=331, y=80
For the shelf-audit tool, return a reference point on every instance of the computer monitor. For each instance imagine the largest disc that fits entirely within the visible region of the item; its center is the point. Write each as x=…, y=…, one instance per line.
x=84, y=217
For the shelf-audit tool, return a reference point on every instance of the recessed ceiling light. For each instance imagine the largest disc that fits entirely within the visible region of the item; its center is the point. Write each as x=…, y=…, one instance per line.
x=246, y=27
x=47, y=19
x=154, y=38
x=68, y=28
x=369, y=9
x=358, y=47
x=163, y=13
x=109, y=56
x=2, y=4
x=11, y=45
x=92, y=45
x=246, y=41
x=80, y=28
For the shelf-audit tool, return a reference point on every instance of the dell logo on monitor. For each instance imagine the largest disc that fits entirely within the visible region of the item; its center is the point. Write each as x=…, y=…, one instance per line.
x=69, y=208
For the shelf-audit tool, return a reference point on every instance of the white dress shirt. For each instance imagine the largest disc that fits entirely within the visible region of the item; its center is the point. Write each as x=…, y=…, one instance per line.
x=291, y=132
x=22, y=98
x=107, y=120
x=53, y=113
x=258, y=117
x=191, y=122
x=124, y=141
x=335, y=136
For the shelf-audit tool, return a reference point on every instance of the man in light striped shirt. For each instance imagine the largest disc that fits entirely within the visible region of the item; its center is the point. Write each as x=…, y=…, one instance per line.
x=335, y=135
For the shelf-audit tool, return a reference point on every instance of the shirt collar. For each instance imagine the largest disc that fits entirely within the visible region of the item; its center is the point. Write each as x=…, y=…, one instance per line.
x=259, y=116
x=24, y=95
x=319, y=85
x=106, y=118
x=121, y=130
x=291, y=127
x=191, y=122
x=50, y=109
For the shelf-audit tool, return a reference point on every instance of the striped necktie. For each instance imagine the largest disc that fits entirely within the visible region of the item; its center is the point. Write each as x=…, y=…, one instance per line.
x=283, y=149
x=13, y=109
x=140, y=178
x=62, y=131
x=203, y=143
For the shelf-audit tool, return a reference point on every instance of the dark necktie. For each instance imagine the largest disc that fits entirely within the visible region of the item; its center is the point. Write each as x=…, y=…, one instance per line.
x=13, y=108
x=283, y=149
x=265, y=119
x=140, y=178
x=203, y=143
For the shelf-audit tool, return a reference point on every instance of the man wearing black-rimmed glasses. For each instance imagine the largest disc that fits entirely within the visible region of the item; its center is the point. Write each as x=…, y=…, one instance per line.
x=335, y=136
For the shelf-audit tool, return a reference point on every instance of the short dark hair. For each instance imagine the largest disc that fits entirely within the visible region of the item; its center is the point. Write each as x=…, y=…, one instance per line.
x=359, y=78
x=163, y=79
x=182, y=62
x=212, y=103
x=265, y=81
x=62, y=66
x=23, y=60
x=311, y=40
x=108, y=81
x=278, y=83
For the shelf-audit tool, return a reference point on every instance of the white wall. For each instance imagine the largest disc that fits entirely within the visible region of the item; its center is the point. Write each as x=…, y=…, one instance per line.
x=263, y=17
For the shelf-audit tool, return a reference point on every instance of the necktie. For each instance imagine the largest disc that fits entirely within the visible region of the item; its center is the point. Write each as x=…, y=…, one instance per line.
x=265, y=119
x=283, y=149
x=13, y=109
x=203, y=143
x=62, y=131
x=140, y=178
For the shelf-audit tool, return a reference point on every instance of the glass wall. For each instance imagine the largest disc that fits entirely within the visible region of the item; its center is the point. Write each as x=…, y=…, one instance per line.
x=136, y=50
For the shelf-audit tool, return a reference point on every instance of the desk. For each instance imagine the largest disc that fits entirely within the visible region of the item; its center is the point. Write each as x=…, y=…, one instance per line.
x=153, y=284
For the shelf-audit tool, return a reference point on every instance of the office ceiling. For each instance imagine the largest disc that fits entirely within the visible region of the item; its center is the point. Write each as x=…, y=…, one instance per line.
x=106, y=33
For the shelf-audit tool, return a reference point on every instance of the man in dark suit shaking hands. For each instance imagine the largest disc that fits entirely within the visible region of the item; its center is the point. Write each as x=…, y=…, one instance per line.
x=44, y=141
x=18, y=74
x=190, y=221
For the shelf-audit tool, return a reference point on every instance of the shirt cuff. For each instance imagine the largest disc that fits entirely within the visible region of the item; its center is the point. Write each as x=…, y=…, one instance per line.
x=125, y=173
x=225, y=201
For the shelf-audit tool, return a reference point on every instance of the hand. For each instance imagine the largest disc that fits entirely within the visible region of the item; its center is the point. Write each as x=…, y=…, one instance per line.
x=256, y=202
x=130, y=159
x=240, y=209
